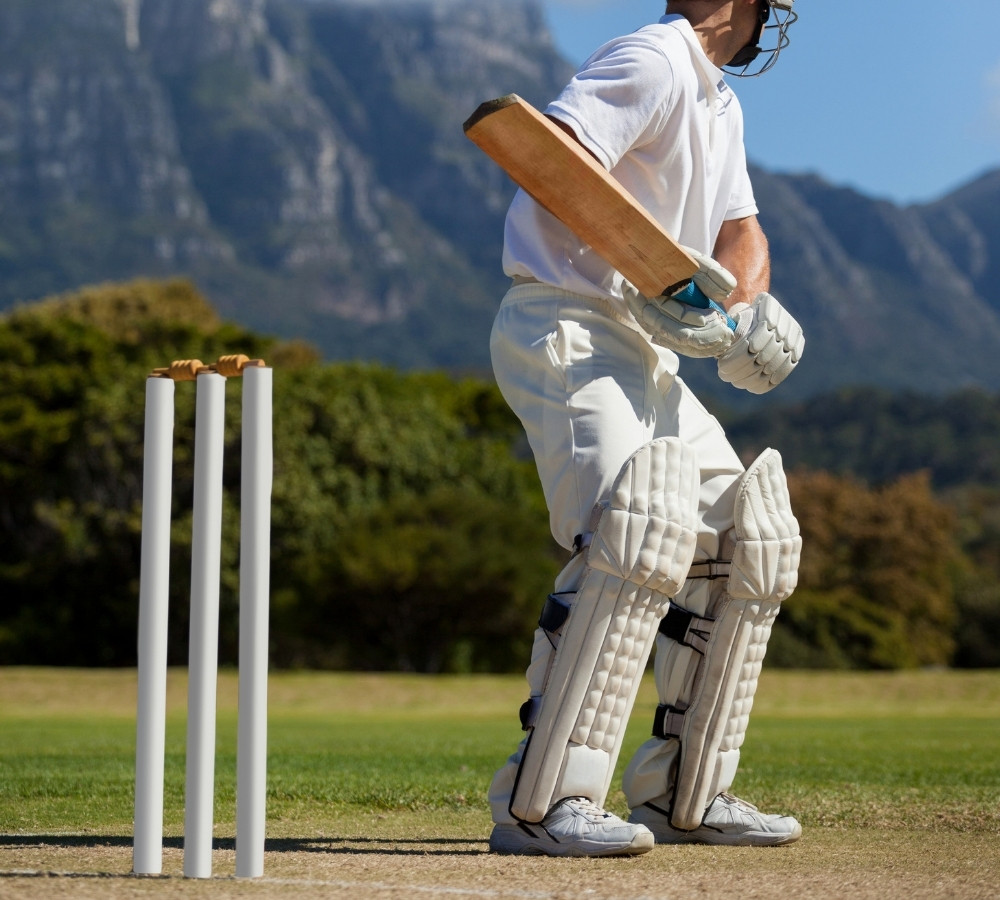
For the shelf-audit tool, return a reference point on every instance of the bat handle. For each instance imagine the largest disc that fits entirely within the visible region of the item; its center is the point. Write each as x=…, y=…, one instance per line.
x=693, y=296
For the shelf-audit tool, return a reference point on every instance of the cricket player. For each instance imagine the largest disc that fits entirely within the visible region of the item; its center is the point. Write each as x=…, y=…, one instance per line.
x=673, y=542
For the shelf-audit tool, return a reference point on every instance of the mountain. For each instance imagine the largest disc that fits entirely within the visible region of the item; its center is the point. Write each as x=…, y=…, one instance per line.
x=904, y=298
x=303, y=162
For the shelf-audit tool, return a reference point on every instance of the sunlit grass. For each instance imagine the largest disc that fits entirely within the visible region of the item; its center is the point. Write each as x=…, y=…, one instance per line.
x=912, y=750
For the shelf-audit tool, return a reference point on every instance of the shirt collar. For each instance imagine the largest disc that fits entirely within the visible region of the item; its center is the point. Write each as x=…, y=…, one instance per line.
x=712, y=77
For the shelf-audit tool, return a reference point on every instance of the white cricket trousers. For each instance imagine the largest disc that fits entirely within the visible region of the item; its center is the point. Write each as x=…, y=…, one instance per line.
x=590, y=391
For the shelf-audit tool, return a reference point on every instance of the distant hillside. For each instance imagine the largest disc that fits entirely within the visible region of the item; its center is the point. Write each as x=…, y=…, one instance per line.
x=878, y=436
x=303, y=161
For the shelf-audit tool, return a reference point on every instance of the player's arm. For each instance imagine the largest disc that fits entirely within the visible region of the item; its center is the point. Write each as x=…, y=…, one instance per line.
x=741, y=247
x=768, y=341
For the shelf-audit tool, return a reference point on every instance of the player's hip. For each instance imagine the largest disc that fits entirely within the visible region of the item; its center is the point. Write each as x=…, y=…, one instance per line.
x=544, y=331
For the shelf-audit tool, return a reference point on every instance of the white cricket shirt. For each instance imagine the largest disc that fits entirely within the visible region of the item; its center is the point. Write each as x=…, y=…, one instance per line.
x=659, y=116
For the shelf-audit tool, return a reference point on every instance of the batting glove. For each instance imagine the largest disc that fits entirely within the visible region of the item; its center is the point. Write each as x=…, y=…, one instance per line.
x=768, y=344
x=690, y=322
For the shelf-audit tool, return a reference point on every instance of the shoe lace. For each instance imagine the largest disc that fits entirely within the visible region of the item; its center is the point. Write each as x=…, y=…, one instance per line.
x=588, y=807
x=732, y=800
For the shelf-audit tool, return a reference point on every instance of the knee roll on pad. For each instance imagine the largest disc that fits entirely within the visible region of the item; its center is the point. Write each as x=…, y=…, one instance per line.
x=638, y=557
x=729, y=642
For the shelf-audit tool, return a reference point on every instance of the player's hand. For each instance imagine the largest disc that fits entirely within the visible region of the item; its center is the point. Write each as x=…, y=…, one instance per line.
x=690, y=322
x=768, y=345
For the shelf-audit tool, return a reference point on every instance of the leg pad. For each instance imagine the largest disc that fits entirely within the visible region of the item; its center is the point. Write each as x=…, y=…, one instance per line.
x=638, y=557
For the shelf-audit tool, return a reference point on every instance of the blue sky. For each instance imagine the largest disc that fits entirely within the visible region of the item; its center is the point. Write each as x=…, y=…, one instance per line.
x=899, y=99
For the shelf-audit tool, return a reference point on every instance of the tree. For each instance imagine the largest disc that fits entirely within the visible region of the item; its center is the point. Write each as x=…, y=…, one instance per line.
x=875, y=581
x=408, y=527
x=71, y=417
x=374, y=471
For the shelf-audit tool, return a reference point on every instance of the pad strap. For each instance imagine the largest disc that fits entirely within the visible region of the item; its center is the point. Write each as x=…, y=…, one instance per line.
x=668, y=722
x=554, y=615
x=686, y=628
x=692, y=631
x=555, y=611
x=710, y=569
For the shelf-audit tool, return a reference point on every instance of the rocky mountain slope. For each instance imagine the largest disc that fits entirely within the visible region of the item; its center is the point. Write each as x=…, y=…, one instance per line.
x=303, y=161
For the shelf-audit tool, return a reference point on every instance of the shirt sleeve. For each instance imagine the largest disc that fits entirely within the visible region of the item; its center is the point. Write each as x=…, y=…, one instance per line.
x=619, y=96
x=742, y=202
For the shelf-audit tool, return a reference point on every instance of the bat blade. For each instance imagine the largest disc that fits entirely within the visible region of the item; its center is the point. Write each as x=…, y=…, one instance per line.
x=568, y=182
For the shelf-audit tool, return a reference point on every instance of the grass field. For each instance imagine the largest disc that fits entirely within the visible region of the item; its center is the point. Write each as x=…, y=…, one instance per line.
x=376, y=788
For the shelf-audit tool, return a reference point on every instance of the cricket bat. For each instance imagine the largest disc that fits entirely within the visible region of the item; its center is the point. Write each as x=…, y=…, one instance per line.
x=567, y=181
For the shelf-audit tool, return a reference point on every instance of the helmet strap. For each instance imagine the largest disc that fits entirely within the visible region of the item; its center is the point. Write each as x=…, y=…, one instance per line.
x=752, y=50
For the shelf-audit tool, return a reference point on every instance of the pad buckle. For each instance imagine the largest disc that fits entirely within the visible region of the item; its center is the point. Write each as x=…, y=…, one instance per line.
x=668, y=721
x=686, y=628
x=528, y=713
x=555, y=611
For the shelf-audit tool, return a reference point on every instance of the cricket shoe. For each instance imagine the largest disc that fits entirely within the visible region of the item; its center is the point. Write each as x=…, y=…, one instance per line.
x=728, y=820
x=573, y=827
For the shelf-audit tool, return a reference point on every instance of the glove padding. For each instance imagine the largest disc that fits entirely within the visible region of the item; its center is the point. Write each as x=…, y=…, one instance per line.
x=682, y=327
x=768, y=344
